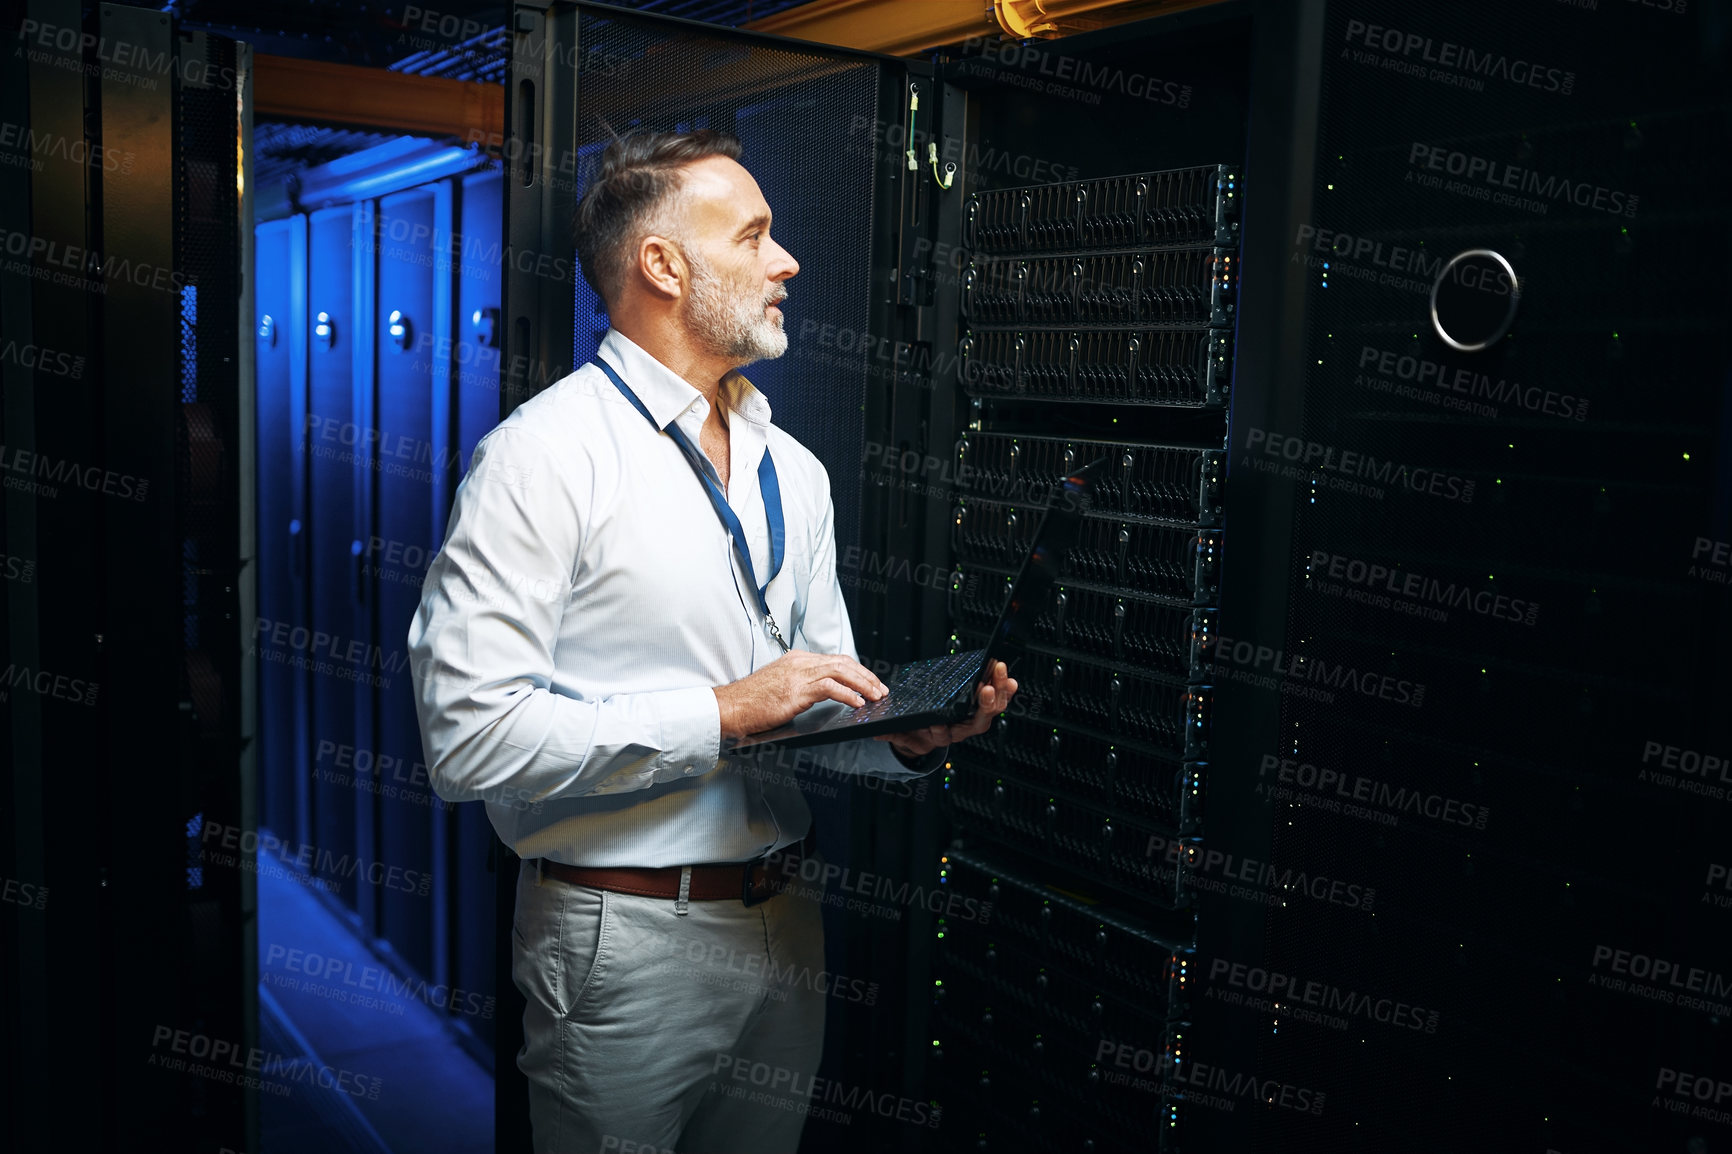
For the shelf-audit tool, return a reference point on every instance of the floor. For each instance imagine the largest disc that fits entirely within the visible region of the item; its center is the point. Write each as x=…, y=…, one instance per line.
x=366, y=1070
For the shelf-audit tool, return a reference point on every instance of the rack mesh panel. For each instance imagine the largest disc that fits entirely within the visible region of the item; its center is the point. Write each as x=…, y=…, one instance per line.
x=1060, y=930
x=1182, y=367
x=1177, y=206
x=1176, y=483
x=1046, y=1020
x=1163, y=641
x=1104, y=846
x=1032, y=1089
x=1149, y=323
x=1122, y=774
x=1166, y=641
x=1086, y=623
x=1138, y=556
x=1134, y=706
x=1184, y=286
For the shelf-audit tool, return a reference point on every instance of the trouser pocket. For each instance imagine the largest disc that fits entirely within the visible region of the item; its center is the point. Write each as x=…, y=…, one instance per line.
x=558, y=943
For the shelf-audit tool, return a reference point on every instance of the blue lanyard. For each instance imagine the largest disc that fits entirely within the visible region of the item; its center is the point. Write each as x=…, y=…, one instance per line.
x=767, y=484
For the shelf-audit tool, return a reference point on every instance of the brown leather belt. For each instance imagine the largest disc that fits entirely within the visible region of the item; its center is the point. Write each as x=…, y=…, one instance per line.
x=751, y=882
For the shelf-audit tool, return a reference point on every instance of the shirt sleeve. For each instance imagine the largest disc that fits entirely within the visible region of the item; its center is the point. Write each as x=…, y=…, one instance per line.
x=482, y=650
x=823, y=627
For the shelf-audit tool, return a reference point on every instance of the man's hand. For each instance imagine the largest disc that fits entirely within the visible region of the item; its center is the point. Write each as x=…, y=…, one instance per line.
x=993, y=700
x=788, y=686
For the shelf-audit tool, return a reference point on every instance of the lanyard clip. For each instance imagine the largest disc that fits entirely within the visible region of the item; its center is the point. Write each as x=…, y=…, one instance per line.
x=770, y=621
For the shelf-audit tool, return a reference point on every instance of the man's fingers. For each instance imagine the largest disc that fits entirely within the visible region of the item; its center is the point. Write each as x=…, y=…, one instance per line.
x=856, y=676
x=831, y=689
x=860, y=671
x=837, y=664
x=993, y=698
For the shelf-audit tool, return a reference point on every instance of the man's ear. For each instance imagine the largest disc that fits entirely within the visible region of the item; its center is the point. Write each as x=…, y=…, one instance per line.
x=662, y=266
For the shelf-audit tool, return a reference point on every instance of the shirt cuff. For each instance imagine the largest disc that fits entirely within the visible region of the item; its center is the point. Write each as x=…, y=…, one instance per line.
x=691, y=732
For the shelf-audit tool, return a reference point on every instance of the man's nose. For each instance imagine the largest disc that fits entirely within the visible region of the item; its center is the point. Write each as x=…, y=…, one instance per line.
x=782, y=263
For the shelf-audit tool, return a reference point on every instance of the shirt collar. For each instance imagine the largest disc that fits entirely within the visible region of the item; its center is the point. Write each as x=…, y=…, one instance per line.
x=666, y=394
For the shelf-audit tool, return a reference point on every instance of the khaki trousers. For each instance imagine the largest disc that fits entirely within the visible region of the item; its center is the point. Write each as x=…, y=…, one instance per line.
x=649, y=1032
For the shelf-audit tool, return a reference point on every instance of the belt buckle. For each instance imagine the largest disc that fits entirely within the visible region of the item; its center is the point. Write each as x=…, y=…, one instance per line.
x=746, y=897
x=771, y=889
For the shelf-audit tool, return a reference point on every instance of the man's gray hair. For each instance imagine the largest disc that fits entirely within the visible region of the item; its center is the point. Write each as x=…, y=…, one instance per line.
x=639, y=176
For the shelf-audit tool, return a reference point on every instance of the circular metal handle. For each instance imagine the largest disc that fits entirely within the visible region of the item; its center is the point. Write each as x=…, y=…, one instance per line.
x=1473, y=299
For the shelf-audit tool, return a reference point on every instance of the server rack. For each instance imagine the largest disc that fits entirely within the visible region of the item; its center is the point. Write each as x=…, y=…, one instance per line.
x=1095, y=319
x=1099, y=296
x=1569, y=456
x=375, y=382
x=127, y=711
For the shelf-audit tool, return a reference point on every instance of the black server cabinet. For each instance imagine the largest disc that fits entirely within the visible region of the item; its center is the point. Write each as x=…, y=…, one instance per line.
x=1092, y=314
x=1505, y=479
x=127, y=599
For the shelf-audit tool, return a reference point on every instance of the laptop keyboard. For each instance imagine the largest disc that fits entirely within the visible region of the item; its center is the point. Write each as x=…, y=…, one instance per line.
x=924, y=685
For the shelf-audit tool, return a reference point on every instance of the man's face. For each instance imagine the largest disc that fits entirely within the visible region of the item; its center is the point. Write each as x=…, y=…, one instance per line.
x=737, y=271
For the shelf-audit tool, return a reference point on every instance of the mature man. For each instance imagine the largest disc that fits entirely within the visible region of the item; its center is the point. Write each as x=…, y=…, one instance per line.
x=627, y=553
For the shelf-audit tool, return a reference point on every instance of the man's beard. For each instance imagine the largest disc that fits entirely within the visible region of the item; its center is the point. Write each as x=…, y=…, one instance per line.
x=730, y=322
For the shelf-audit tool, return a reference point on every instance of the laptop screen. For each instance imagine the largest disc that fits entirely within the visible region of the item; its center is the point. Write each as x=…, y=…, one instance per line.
x=1040, y=567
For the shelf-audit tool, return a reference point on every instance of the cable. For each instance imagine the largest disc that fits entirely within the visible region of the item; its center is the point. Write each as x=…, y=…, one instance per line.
x=931, y=146
x=949, y=166
x=913, y=105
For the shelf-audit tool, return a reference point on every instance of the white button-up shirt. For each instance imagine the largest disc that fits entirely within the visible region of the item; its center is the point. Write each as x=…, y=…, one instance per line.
x=586, y=602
